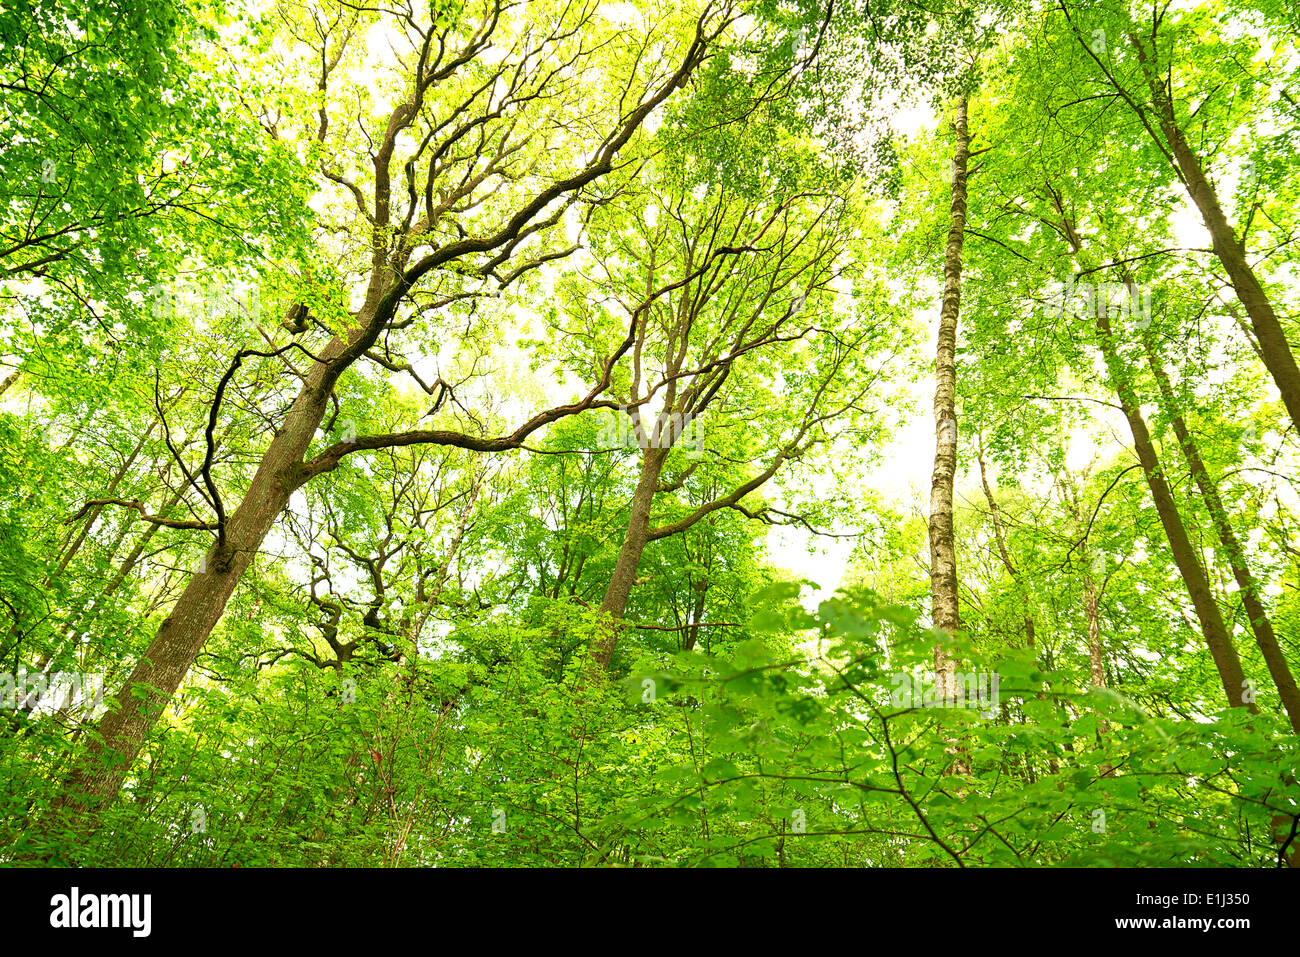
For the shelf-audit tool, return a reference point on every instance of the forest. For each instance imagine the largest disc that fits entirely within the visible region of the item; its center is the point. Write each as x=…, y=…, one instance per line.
x=701, y=433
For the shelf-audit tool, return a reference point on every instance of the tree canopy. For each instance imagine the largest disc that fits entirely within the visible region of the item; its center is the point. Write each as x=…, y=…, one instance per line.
x=494, y=432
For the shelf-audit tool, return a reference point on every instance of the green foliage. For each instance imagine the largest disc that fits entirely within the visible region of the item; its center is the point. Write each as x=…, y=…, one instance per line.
x=409, y=671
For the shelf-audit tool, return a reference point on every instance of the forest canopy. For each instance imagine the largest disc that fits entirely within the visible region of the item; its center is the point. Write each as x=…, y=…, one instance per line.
x=741, y=433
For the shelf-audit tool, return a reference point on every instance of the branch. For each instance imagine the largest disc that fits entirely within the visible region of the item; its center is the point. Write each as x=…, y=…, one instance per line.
x=139, y=507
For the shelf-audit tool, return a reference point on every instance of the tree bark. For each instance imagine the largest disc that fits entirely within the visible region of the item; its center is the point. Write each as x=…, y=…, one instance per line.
x=1189, y=566
x=1215, y=633
x=1260, y=623
x=943, y=553
x=1091, y=601
x=629, y=555
x=1274, y=349
x=99, y=773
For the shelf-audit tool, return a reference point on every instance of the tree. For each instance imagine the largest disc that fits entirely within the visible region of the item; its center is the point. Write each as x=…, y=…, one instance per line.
x=477, y=155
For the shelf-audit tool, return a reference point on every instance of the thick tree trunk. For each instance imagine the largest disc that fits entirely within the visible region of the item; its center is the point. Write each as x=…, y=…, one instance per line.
x=1260, y=623
x=629, y=556
x=98, y=775
x=1274, y=349
x=943, y=552
x=1189, y=566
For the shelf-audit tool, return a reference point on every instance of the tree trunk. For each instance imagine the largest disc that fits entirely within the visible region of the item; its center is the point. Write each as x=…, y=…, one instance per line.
x=943, y=552
x=1096, y=662
x=77, y=537
x=995, y=517
x=99, y=773
x=1091, y=601
x=1274, y=349
x=1260, y=623
x=701, y=589
x=1189, y=566
x=133, y=557
x=629, y=555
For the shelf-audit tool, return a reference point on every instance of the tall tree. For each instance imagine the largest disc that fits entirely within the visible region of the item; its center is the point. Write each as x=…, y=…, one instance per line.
x=478, y=126
x=1150, y=95
x=943, y=551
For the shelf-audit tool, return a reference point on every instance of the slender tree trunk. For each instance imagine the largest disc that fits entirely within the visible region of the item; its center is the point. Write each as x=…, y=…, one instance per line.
x=943, y=552
x=78, y=537
x=111, y=550
x=1217, y=639
x=129, y=563
x=1274, y=349
x=999, y=536
x=1260, y=623
x=1189, y=566
x=119, y=578
x=1096, y=659
x=100, y=771
x=701, y=589
x=1091, y=610
x=1091, y=593
x=1091, y=602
